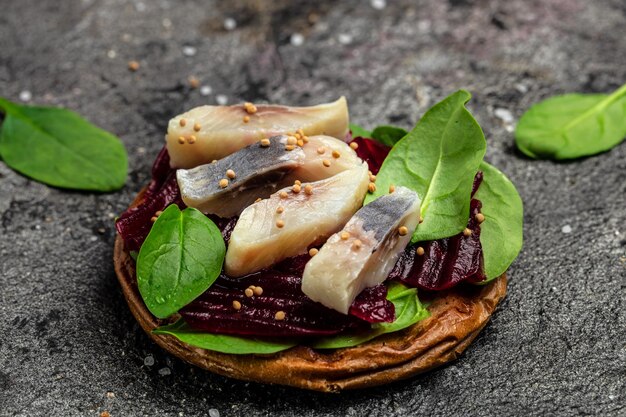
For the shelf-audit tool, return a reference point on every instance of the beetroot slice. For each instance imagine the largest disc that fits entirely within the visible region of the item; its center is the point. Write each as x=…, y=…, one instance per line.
x=214, y=311
x=135, y=223
x=372, y=152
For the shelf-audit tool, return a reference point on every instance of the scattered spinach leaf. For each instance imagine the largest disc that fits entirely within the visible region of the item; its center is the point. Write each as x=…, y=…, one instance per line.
x=179, y=260
x=409, y=311
x=59, y=148
x=501, y=234
x=388, y=135
x=438, y=159
x=359, y=131
x=573, y=125
x=224, y=343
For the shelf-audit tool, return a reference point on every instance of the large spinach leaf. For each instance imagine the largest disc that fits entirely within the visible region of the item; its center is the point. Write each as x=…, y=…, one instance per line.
x=409, y=311
x=501, y=233
x=179, y=260
x=222, y=342
x=57, y=147
x=438, y=159
x=573, y=125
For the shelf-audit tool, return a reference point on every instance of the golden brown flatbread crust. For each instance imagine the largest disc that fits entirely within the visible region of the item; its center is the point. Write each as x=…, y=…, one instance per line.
x=457, y=316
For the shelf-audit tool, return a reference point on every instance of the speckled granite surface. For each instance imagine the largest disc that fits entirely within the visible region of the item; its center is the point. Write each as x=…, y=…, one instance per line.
x=69, y=346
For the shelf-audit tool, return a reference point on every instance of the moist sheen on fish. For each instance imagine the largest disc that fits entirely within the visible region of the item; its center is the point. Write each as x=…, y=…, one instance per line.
x=258, y=172
x=288, y=222
x=364, y=252
x=212, y=132
x=261, y=170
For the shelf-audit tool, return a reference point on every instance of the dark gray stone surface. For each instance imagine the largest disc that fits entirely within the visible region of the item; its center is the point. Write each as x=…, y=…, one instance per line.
x=557, y=345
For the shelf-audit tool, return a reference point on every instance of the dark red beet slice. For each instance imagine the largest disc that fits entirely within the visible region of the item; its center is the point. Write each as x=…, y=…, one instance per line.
x=445, y=262
x=134, y=224
x=214, y=312
x=371, y=152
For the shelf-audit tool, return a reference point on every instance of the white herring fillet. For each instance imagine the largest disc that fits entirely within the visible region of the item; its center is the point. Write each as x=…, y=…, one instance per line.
x=258, y=242
x=365, y=254
x=259, y=171
x=220, y=130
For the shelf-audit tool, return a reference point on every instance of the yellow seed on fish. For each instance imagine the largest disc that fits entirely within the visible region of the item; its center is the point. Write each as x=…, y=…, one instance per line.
x=280, y=223
x=246, y=119
x=258, y=200
x=197, y=127
x=291, y=140
x=280, y=209
x=265, y=143
x=403, y=230
x=182, y=122
x=300, y=143
x=313, y=252
x=480, y=217
x=191, y=139
x=298, y=182
x=223, y=183
x=290, y=147
x=230, y=174
x=372, y=178
x=326, y=163
x=336, y=154
x=354, y=146
x=296, y=188
x=344, y=235
x=181, y=139
x=308, y=189
x=283, y=194
x=321, y=150
x=356, y=245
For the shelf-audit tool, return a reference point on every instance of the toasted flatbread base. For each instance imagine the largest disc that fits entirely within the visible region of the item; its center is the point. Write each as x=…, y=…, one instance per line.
x=456, y=318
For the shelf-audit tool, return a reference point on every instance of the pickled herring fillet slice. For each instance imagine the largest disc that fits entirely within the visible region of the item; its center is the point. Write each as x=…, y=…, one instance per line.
x=288, y=222
x=364, y=252
x=219, y=131
x=228, y=186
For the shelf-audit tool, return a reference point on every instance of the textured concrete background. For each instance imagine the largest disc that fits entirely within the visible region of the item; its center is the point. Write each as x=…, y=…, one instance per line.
x=69, y=346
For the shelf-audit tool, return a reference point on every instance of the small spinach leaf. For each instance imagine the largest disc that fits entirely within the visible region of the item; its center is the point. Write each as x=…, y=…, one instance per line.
x=358, y=131
x=438, y=159
x=501, y=233
x=222, y=342
x=179, y=260
x=388, y=135
x=573, y=125
x=409, y=311
x=58, y=147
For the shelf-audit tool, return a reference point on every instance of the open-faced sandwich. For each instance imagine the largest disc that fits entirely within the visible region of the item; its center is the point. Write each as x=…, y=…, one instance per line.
x=283, y=245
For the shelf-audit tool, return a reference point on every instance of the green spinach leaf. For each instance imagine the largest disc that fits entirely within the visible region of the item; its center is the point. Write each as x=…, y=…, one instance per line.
x=224, y=343
x=409, y=311
x=179, y=260
x=501, y=233
x=359, y=131
x=573, y=125
x=388, y=135
x=59, y=148
x=438, y=159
